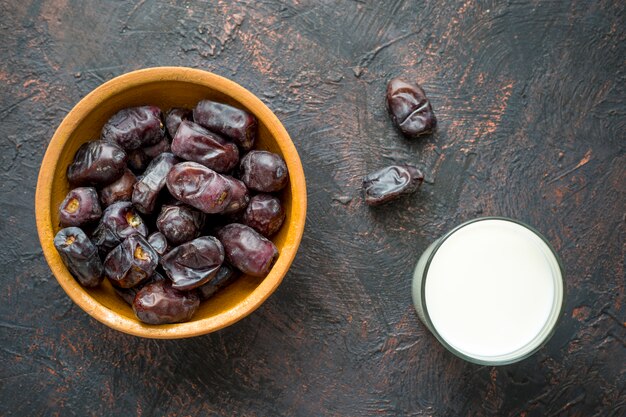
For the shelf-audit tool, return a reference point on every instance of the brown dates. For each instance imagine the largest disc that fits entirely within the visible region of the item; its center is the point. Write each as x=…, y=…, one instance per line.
x=131, y=262
x=264, y=214
x=81, y=206
x=390, y=183
x=159, y=243
x=225, y=275
x=193, y=263
x=146, y=190
x=231, y=122
x=97, y=163
x=194, y=143
x=264, y=171
x=247, y=250
x=159, y=303
x=128, y=294
x=178, y=173
x=80, y=256
x=200, y=187
x=118, y=221
x=180, y=224
x=120, y=190
x=239, y=195
x=175, y=117
x=409, y=108
x=134, y=127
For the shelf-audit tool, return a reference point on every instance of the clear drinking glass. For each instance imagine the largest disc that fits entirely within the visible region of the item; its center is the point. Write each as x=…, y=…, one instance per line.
x=491, y=290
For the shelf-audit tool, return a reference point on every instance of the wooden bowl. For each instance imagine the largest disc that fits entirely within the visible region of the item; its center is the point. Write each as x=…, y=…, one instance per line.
x=166, y=87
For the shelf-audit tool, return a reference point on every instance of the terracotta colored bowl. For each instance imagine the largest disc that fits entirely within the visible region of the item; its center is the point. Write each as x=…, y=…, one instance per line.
x=166, y=87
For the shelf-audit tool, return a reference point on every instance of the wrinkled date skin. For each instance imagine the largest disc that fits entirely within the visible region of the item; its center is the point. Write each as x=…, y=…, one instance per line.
x=146, y=190
x=118, y=221
x=179, y=223
x=194, y=143
x=81, y=206
x=264, y=171
x=128, y=294
x=138, y=161
x=409, y=108
x=239, y=197
x=175, y=117
x=131, y=262
x=97, y=163
x=225, y=275
x=159, y=243
x=200, y=187
x=159, y=303
x=120, y=190
x=80, y=256
x=134, y=127
x=157, y=149
x=264, y=214
x=247, y=250
x=231, y=122
x=390, y=183
x=194, y=263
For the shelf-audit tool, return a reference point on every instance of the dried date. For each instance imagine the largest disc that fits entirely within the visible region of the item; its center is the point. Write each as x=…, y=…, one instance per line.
x=236, y=124
x=134, y=127
x=194, y=263
x=118, y=221
x=264, y=171
x=159, y=303
x=265, y=214
x=146, y=190
x=131, y=262
x=390, y=183
x=409, y=108
x=247, y=250
x=200, y=187
x=120, y=190
x=97, y=163
x=81, y=206
x=80, y=256
x=195, y=143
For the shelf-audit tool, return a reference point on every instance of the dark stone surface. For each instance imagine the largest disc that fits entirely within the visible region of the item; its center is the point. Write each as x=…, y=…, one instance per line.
x=530, y=100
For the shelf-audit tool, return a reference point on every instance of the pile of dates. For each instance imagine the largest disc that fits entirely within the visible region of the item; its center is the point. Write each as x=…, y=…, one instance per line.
x=412, y=114
x=171, y=208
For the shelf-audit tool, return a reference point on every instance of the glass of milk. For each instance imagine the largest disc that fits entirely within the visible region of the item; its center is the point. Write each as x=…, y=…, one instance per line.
x=491, y=290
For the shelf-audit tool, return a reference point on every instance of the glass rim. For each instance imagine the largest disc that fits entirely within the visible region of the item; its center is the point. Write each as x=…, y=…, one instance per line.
x=507, y=357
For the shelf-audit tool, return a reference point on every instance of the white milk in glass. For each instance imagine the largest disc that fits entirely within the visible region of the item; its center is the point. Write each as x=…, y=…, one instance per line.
x=491, y=291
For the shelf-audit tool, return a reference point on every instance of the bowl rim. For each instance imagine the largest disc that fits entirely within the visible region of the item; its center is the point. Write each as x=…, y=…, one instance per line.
x=44, y=191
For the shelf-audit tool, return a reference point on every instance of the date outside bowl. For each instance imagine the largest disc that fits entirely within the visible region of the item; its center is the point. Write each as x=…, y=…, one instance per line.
x=167, y=87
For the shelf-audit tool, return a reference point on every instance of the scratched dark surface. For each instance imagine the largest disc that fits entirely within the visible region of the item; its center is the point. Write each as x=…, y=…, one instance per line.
x=530, y=97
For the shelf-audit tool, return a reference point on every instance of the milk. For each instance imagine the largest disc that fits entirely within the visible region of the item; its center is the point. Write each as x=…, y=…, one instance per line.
x=492, y=290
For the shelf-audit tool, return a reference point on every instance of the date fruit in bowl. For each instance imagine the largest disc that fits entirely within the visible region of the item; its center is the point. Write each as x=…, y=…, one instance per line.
x=192, y=142
x=97, y=163
x=132, y=107
x=81, y=206
x=80, y=256
x=194, y=263
x=264, y=171
x=247, y=250
x=134, y=127
x=160, y=303
x=236, y=124
x=131, y=262
x=200, y=187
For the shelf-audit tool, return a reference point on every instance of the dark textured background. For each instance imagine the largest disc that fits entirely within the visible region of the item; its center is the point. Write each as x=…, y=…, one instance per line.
x=530, y=96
